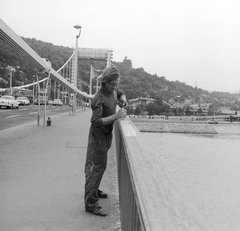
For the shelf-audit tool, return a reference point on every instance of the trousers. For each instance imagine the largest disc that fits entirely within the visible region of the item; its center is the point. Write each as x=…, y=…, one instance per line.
x=96, y=162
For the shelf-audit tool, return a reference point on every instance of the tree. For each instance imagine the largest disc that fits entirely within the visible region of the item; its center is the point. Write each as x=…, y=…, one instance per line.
x=211, y=109
x=199, y=111
x=151, y=108
x=159, y=100
x=188, y=112
x=137, y=111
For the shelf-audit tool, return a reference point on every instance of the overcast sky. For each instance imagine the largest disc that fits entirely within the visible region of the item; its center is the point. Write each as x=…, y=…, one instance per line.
x=192, y=41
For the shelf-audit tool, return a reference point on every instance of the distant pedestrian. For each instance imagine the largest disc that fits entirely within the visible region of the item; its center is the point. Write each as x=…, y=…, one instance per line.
x=100, y=136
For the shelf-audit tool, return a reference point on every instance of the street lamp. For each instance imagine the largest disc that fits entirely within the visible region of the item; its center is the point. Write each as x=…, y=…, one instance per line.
x=11, y=70
x=78, y=27
x=76, y=64
x=33, y=88
x=91, y=75
x=76, y=54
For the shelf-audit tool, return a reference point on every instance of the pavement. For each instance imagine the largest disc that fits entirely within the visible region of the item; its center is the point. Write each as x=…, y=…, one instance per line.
x=42, y=177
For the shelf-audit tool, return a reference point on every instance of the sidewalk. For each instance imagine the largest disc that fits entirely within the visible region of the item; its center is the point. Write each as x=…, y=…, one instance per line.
x=42, y=178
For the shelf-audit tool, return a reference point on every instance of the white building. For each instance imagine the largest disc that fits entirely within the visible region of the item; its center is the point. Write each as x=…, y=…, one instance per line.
x=144, y=101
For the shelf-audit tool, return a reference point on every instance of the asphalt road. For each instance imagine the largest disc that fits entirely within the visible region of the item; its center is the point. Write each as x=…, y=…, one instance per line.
x=13, y=117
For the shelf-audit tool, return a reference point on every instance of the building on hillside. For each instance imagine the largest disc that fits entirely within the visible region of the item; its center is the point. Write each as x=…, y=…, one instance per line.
x=140, y=100
x=194, y=109
x=127, y=63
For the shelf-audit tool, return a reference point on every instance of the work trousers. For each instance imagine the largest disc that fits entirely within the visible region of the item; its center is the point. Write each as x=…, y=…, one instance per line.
x=96, y=162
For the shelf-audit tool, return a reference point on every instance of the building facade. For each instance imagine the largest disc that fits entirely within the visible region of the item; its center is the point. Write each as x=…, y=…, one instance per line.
x=140, y=100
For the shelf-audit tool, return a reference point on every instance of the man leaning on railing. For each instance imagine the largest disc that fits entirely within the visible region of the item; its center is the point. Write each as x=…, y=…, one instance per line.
x=100, y=136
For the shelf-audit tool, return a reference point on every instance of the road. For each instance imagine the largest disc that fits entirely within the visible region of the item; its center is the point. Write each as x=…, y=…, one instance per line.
x=13, y=117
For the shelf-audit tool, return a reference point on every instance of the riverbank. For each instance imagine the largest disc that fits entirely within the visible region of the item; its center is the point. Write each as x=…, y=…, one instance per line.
x=178, y=126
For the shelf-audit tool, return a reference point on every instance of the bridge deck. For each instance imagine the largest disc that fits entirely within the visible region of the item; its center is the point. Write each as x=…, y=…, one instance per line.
x=42, y=177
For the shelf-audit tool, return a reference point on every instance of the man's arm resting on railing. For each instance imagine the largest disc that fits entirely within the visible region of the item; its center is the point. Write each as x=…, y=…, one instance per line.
x=121, y=114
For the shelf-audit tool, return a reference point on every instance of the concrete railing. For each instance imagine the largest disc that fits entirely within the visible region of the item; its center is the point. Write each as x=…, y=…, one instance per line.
x=149, y=198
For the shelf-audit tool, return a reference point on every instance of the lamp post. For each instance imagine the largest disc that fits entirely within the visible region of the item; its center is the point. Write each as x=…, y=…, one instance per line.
x=76, y=54
x=38, y=97
x=33, y=89
x=76, y=64
x=11, y=70
x=91, y=77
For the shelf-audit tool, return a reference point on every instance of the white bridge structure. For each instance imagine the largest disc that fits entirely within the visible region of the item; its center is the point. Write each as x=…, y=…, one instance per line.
x=66, y=77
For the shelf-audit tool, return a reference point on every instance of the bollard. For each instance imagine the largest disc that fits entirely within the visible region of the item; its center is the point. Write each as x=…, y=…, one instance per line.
x=49, y=121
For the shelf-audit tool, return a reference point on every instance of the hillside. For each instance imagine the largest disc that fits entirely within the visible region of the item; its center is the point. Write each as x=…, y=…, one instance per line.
x=135, y=82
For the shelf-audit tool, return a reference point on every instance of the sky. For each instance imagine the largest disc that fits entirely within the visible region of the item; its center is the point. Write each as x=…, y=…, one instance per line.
x=191, y=41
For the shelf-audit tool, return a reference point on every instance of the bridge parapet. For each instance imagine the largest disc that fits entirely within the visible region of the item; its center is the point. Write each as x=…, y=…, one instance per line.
x=149, y=198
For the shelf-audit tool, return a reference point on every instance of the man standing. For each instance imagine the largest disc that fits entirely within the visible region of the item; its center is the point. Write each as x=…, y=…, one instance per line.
x=100, y=136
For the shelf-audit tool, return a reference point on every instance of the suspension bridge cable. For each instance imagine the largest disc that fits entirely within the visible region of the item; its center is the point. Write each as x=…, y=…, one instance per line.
x=21, y=47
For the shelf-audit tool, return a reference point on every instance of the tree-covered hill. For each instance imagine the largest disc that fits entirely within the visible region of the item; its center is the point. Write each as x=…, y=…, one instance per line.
x=135, y=82
x=138, y=83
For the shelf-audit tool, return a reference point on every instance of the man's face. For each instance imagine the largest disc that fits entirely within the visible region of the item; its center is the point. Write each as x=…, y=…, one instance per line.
x=112, y=85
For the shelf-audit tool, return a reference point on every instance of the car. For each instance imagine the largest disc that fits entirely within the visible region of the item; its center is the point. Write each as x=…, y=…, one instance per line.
x=8, y=101
x=212, y=122
x=57, y=102
x=50, y=102
x=23, y=101
x=42, y=100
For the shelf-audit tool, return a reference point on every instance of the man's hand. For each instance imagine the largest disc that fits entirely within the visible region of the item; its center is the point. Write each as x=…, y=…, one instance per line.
x=123, y=102
x=122, y=113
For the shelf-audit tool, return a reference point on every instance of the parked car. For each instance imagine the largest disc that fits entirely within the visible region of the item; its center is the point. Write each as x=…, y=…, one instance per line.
x=50, y=102
x=8, y=101
x=23, y=101
x=57, y=102
x=35, y=102
x=42, y=101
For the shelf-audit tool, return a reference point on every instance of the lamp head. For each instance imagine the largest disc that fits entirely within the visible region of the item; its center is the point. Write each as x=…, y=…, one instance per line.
x=77, y=27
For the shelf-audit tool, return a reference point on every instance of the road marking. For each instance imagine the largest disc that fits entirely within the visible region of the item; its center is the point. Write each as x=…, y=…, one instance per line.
x=7, y=110
x=12, y=116
x=24, y=109
x=37, y=112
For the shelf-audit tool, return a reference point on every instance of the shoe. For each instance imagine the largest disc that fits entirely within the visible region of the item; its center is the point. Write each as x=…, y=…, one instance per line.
x=101, y=194
x=95, y=209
